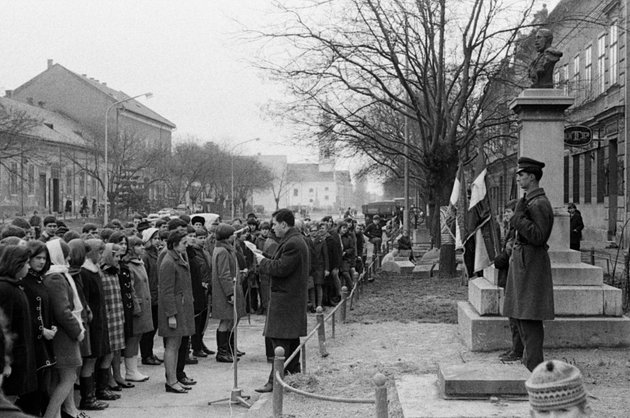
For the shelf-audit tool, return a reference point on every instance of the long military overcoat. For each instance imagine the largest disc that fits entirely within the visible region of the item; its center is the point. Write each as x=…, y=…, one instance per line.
x=529, y=287
x=288, y=269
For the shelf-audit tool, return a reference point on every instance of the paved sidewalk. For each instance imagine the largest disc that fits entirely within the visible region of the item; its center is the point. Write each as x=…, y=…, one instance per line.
x=215, y=381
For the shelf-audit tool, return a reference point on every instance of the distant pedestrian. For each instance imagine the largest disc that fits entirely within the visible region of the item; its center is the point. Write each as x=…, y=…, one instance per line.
x=576, y=227
x=529, y=287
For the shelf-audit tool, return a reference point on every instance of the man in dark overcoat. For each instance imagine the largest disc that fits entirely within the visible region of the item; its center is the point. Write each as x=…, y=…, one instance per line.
x=529, y=287
x=288, y=269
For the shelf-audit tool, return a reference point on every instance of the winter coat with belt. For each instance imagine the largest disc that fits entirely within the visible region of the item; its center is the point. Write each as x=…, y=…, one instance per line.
x=224, y=270
x=175, y=296
x=529, y=287
x=288, y=269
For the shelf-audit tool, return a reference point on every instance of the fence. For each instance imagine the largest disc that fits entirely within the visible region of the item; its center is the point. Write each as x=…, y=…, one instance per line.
x=279, y=385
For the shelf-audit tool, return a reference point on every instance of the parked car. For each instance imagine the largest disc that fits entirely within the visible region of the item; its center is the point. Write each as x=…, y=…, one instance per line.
x=209, y=217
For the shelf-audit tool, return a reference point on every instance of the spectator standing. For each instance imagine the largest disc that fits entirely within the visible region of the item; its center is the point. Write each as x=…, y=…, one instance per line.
x=288, y=269
x=576, y=225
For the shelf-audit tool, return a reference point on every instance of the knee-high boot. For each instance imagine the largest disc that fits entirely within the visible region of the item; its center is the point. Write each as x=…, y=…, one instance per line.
x=102, y=386
x=224, y=354
x=88, y=396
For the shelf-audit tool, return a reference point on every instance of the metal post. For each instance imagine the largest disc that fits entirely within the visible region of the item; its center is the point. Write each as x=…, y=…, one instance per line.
x=321, y=332
x=303, y=353
x=334, y=320
x=232, y=191
x=344, y=299
x=381, y=395
x=278, y=368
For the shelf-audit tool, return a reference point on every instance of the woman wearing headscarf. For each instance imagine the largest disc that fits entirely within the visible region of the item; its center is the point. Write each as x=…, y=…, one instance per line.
x=43, y=330
x=142, y=318
x=67, y=310
x=99, y=338
x=175, y=308
x=14, y=303
x=115, y=319
x=225, y=271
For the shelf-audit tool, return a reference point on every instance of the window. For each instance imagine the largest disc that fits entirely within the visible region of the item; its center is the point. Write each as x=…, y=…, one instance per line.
x=556, y=78
x=601, y=64
x=576, y=179
x=326, y=188
x=295, y=192
x=82, y=183
x=325, y=197
x=565, y=78
x=601, y=175
x=13, y=175
x=576, y=74
x=587, y=176
x=566, y=179
x=31, y=179
x=310, y=190
x=69, y=180
x=612, y=73
x=588, y=67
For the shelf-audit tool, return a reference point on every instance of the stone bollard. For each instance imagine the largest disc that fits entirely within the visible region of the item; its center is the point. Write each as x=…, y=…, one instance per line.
x=592, y=256
x=321, y=332
x=344, y=299
x=278, y=367
x=381, y=395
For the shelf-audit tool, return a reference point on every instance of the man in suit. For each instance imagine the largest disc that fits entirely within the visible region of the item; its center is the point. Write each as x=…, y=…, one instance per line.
x=288, y=269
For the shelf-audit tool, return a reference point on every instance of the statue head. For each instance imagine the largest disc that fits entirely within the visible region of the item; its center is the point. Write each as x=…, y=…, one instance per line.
x=544, y=37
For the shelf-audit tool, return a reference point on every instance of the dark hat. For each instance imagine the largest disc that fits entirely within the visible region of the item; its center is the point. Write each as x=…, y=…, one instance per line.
x=224, y=231
x=529, y=165
x=199, y=219
x=49, y=220
x=143, y=225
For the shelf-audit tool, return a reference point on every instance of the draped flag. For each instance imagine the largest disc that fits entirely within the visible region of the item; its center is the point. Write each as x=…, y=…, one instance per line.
x=482, y=227
x=457, y=208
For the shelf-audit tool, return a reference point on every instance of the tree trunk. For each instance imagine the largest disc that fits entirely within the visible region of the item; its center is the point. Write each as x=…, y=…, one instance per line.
x=448, y=267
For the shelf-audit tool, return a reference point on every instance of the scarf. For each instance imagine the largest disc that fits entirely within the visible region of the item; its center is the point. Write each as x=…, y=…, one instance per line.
x=59, y=266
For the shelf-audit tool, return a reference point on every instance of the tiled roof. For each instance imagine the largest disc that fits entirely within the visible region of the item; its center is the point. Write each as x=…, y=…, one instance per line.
x=50, y=126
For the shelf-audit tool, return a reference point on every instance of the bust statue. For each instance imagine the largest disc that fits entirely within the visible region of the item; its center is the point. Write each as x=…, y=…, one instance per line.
x=541, y=69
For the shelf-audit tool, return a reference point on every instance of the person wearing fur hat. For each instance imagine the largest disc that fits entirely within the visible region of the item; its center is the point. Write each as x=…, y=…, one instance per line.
x=556, y=389
x=224, y=271
x=50, y=229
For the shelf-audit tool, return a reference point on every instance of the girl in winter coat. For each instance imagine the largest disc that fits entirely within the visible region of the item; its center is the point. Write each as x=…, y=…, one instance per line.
x=224, y=271
x=67, y=309
x=142, y=318
x=14, y=302
x=43, y=329
x=115, y=319
x=175, y=306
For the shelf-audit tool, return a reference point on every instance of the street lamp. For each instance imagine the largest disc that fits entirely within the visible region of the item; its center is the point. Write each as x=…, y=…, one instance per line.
x=148, y=96
x=232, y=160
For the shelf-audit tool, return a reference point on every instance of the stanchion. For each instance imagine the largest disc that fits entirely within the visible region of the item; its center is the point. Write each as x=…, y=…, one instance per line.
x=236, y=395
x=381, y=395
x=278, y=369
x=344, y=300
x=321, y=332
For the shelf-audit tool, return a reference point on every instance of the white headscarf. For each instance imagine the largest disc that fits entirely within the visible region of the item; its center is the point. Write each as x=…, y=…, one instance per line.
x=60, y=266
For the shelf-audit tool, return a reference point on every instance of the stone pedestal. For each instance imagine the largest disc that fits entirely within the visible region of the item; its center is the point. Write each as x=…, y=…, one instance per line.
x=588, y=312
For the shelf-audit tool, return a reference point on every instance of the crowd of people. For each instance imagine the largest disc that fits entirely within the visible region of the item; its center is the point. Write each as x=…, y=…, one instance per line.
x=85, y=306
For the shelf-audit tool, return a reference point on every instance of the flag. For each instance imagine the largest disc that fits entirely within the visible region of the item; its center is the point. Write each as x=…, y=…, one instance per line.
x=457, y=208
x=482, y=227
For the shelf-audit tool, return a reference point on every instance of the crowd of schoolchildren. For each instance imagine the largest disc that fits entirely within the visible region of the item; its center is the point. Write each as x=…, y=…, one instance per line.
x=80, y=305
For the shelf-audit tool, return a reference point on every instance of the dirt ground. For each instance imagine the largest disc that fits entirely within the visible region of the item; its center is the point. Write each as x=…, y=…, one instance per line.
x=405, y=326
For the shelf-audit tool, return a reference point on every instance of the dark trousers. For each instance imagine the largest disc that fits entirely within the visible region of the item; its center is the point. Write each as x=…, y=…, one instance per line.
x=289, y=345
x=200, y=325
x=517, y=344
x=181, y=357
x=532, y=334
x=146, y=341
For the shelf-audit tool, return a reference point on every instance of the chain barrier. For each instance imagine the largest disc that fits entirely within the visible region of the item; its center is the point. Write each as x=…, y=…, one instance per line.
x=279, y=385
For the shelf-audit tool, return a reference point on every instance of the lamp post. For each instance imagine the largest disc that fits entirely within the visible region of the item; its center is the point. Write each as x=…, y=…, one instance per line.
x=232, y=161
x=106, y=213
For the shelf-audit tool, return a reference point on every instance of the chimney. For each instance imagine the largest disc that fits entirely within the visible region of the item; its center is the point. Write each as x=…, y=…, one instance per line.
x=9, y=93
x=50, y=63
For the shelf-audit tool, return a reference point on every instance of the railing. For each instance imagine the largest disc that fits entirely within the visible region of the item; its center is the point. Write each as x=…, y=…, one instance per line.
x=380, y=399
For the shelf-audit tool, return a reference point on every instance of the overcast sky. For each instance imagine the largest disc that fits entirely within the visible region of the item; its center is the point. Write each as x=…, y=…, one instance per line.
x=189, y=54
